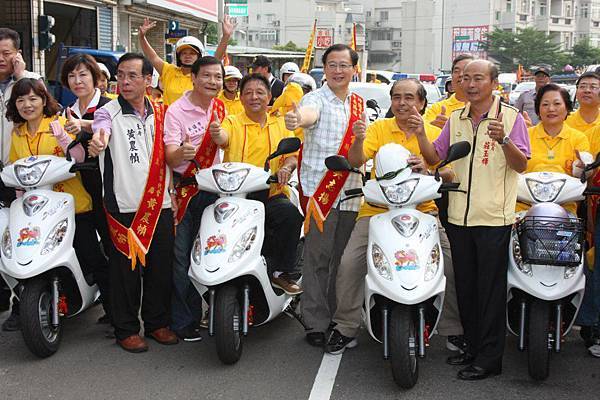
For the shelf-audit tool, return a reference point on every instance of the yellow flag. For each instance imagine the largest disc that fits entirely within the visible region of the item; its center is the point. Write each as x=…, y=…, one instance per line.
x=353, y=46
x=309, y=49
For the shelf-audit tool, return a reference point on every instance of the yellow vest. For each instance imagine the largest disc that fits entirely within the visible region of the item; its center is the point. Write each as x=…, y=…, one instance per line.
x=490, y=184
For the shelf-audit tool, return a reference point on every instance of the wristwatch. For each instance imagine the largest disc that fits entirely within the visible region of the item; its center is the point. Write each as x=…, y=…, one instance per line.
x=505, y=140
x=173, y=192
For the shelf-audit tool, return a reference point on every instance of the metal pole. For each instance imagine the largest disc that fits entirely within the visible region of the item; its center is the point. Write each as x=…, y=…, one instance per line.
x=558, y=328
x=246, y=309
x=522, y=326
x=386, y=344
x=55, y=317
x=211, y=312
x=421, y=331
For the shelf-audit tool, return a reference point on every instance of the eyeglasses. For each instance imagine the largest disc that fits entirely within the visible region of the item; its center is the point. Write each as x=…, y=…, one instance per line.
x=342, y=67
x=585, y=86
x=130, y=77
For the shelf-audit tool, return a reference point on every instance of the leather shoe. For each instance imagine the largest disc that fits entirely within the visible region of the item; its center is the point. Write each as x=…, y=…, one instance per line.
x=461, y=359
x=475, y=373
x=316, y=339
x=163, y=336
x=133, y=344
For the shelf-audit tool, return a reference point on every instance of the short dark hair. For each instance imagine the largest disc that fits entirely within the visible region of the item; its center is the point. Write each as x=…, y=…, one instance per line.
x=146, y=65
x=340, y=47
x=262, y=61
x=254, y=77
x=461, y=57
x=204, y=61
x=22, y=88
x=589, y=74
x=553, y=87
x=421, y=92
x=7, y=33
x=75, y=61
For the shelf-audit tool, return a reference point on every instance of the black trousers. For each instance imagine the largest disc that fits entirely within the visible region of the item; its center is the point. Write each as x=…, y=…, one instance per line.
x=92, y=182
x=283, y=222
x=91, y=257
x=156, y=278
x=480, y=258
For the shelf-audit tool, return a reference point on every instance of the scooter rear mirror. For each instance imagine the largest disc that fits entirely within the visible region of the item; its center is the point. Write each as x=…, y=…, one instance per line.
x=285, y=146
x=455, y=152
x=338, y=163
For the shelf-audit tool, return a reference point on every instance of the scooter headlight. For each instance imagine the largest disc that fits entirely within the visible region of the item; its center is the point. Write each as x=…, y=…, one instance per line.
x=381, y=263
x=30, y=175
x=243, y=244
x=230, y=181
x=433, y=263
x=570, y=272
x=6, y=244
x=401, y=192
x=545, y=191
x=197, y=250
x=55, y=238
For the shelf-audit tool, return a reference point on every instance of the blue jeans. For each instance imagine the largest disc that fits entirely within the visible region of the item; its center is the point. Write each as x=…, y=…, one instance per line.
x=186, y=303
x=589, y=313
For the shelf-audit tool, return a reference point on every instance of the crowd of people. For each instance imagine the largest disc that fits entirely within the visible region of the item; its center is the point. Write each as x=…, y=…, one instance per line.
x=145, y=144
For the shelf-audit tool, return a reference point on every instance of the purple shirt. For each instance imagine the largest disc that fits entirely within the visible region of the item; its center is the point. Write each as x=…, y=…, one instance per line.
x=102, y=120
x=518, y=135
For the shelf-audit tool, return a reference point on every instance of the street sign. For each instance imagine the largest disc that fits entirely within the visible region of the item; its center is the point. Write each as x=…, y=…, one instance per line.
x=173, y=26
x=237, y=2
x=238, y=10
x=324, y=38
x=176, y=34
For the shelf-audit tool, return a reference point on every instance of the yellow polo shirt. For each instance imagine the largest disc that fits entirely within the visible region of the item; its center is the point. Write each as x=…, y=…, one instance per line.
x=232, y=107
x=174, y=82
x=576, y=121
x=554, y=154
x=44, y=143
x=593, y=136
x=451, y=104
x=386, y=131
x=250, y=143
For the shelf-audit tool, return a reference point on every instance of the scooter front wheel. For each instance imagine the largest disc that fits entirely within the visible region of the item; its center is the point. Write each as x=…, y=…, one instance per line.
x=538, y=349
x=403, y=347
x=36, y=309
x=228, y=325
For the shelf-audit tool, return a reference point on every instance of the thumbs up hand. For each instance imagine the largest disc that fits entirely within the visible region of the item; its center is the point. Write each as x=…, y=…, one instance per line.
x=359, y=128
x=216, y=131
x=293, y=118
x=187, y=149
x=441, y=119
x=527, y=119
x=496, y=129
x=73, y=125
x=415, y=122
x=98, y=143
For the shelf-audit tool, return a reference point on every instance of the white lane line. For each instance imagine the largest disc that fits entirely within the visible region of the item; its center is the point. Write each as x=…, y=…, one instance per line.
x=325, y=378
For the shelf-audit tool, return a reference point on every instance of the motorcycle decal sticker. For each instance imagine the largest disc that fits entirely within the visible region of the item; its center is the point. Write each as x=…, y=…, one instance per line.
x=427, y=234
x=215, y=244
x=29, y=236
x=406, y=260
x=51, y=211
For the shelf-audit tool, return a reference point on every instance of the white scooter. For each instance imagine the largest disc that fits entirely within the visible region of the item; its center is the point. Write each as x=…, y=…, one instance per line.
x=38, y=259
x=545, y=273
x=226, y=255
x=405, y=282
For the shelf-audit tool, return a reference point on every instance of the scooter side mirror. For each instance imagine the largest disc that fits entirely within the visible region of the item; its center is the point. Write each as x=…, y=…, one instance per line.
x=590, y=167
x=338, y=163
x=455, y=152
x=286, y=146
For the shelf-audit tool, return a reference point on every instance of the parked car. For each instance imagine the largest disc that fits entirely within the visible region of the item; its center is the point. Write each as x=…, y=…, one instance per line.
x=440, y=82
x=516, y=92
x=382, y=76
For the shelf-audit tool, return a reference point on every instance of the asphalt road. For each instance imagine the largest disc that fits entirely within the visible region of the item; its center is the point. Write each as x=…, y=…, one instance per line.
x=276, y=364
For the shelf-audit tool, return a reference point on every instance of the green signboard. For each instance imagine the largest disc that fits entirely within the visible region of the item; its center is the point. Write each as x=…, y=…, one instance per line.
x=238, y=10
x=237, y=2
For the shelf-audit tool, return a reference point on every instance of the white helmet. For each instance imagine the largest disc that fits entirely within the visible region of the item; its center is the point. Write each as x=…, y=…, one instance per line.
x=190, y=42
x=104, y=70
x=155, y=78
x=391, y=159
x=232, y=72
x=289, y=68
x=304, y=80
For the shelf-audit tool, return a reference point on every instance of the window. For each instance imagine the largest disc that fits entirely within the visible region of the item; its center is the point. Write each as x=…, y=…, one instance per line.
x=584, y=10
x=568, y=10
x=508, y=5
x=542, y=8
x=249, y=38
x=524, y=7
x=497, y=15
x=368, y=14
x=396, y=44
x=383, y=15
x=245, y=19
x=567, y=21
x=522, y=17
x=596, y=24
x=555, y=20
x=258, y=17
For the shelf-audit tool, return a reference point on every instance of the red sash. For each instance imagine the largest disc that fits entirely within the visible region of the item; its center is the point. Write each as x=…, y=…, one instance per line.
x=134, y=241
x=204, y=155
x=320, y=203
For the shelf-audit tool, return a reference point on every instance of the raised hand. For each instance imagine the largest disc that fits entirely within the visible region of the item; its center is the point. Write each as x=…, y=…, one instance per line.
x=187, y=149
x=229, y=24
x=215, y=129
x=146, y=26
x=527, y=119
x=18, y=66
x=441, y=119
x=293, y=118
x=417, y=164
x=496, y=129
x=73, y=125
x=359, y=129
x=415, y=122
x=98, y=143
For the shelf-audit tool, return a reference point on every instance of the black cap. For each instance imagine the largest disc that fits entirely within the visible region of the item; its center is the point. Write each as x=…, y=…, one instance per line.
x=261, y=61
x=543, y=70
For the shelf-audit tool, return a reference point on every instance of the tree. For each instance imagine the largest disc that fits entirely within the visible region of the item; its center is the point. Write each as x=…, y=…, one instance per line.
x=289, y=46
x=212, y=35
x=526, y=47
x=584, y=54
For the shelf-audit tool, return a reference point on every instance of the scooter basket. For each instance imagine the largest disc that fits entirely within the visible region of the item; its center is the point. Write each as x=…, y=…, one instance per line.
x=551, y=241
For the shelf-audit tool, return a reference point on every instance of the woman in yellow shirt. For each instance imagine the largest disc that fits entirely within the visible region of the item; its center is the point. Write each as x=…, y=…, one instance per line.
x=555, y=146
x=39, y=131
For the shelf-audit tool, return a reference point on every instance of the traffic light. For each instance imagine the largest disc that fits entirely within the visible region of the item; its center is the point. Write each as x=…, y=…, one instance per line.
x=45, y=38
x=169, y=52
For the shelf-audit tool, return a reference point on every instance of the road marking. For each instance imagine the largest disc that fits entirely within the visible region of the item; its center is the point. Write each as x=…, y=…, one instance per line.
x=325, y=378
